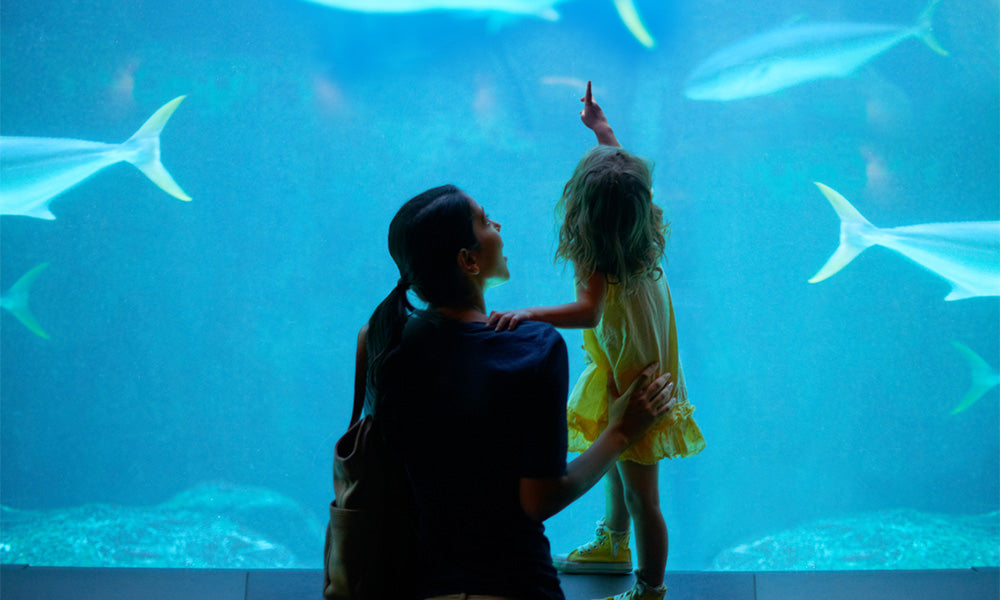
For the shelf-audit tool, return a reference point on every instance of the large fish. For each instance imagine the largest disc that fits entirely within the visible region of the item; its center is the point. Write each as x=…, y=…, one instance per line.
x=797, y=53
x=16, y=300
x=966, y=254
x=35, y=170
x=543, y=9
x=984, y=378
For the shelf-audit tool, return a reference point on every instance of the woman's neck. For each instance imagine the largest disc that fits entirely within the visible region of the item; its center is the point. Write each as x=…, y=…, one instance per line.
x=466, y=315
x=473, y=311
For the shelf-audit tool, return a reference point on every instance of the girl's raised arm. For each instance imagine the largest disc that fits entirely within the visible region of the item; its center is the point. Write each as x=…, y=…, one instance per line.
x=593, y=117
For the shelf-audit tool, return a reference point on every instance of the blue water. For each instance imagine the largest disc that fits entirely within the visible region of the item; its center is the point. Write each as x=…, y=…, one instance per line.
x=205, y=346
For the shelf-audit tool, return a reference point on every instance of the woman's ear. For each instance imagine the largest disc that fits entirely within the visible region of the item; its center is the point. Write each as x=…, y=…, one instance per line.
x=467, y=262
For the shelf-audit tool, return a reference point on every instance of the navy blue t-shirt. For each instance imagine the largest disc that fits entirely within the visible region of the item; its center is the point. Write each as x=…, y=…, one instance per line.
x=472, y=411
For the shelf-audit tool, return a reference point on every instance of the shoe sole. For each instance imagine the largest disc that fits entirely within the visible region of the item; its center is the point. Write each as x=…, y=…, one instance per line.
x=592, y=568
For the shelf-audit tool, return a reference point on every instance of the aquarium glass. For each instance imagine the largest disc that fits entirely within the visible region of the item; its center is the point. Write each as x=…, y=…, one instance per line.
x=174, y=379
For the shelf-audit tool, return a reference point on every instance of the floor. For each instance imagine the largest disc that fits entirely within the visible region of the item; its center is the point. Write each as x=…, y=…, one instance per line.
x=22, y=582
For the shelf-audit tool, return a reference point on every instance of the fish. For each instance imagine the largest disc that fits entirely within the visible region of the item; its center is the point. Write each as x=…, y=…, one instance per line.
x=16, y=300
x=542, y=9
x=633, y=22
x=984, y=378
x=797, y=53
x=966, y=254
x=574, y=83
x=35, y=170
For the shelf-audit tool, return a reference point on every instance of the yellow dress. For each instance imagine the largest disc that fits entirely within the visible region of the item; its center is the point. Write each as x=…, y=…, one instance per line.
x=635, y=330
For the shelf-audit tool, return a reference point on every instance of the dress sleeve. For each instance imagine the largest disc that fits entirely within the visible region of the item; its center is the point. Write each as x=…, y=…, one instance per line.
x=544, y=434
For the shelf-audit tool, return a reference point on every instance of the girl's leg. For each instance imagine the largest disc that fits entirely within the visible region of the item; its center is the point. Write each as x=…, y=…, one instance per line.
x=609, y=551
x=640, y=484
x=616, y=515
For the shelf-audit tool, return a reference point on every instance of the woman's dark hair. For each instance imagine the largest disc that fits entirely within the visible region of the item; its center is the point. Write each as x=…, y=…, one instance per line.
x=425, y=237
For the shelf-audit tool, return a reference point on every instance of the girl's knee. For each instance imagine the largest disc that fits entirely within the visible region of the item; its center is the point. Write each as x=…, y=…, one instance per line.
x=641, y=485
x=642, y=501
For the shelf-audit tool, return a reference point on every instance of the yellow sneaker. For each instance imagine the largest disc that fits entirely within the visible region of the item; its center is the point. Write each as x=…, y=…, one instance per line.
x=607, y=554
x=641, y=591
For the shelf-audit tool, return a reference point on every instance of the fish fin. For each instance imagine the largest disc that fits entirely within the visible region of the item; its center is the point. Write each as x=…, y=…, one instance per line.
x=960, y=293
x=158, y=174
x=925, y=28
x=40, y=212
x=850, y=245
x=149, y=133
x=18, y=300
x=984, y=378
x=630, y=17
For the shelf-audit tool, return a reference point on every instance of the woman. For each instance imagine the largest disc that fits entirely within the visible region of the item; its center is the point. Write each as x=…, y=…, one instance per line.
x=479, y=416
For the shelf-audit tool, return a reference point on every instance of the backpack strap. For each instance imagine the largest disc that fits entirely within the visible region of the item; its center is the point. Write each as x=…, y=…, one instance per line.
x=358, y=405
x=360, y=383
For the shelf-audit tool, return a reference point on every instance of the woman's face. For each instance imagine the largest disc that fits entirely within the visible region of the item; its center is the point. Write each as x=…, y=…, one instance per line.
x=492, y=262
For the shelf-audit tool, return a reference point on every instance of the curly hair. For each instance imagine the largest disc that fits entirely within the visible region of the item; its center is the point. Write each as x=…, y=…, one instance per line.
x=609, y=222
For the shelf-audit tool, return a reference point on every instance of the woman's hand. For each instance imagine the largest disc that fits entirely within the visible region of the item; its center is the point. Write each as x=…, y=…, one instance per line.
x=629, y=417
x=642, y=404
x=593, y=117
x=508, y=319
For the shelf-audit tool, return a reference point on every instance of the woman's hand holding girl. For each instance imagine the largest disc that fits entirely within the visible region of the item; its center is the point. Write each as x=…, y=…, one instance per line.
x=642, y=404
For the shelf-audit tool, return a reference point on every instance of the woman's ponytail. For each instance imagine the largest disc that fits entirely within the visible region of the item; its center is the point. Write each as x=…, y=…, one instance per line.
x=425, y=236
x=385, y=330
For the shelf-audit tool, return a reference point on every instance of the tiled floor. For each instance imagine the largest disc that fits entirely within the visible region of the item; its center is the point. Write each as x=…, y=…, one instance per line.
x=19, y=582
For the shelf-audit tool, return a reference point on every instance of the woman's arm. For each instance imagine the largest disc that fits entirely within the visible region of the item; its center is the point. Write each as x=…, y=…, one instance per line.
x=584, y=313
x=629, y=417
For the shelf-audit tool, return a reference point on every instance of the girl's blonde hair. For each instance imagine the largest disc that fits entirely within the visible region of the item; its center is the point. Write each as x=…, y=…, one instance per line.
x=609, y=221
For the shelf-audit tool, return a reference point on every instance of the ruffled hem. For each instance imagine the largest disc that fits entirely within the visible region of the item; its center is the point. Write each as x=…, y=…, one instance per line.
x=675, y=435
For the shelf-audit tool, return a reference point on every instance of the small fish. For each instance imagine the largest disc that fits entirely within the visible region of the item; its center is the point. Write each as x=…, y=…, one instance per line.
x=16, y=300
x=984, y=378
x=543, y=9
x=797, y=53
x=558, y=80
x=966, y=254
x=35, y=170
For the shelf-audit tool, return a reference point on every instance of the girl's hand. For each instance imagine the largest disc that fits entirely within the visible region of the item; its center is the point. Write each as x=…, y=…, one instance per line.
x=508, y=319
x=593, y=117
x=642, y=404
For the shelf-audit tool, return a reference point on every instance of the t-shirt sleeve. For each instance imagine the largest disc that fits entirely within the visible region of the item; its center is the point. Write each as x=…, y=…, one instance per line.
x=544, y=434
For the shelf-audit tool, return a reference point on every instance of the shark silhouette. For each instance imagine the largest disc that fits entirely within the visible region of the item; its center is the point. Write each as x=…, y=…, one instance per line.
x=35, y=170
x=16, y=300
x=797, y=53
x=543, y=9
x=966, y=254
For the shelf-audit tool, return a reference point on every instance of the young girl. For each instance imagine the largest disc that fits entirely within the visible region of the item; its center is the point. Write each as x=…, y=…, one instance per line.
x=614, y=236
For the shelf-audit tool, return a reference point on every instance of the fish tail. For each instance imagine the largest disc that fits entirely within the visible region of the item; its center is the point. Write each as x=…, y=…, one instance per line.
x=149, y=163
x=984, y=378
x=851, y=243
x=630, y=16
x=16, y=300
x=925, y=28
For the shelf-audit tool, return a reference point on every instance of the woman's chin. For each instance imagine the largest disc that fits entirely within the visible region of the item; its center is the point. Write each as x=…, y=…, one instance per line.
x=492, y=282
